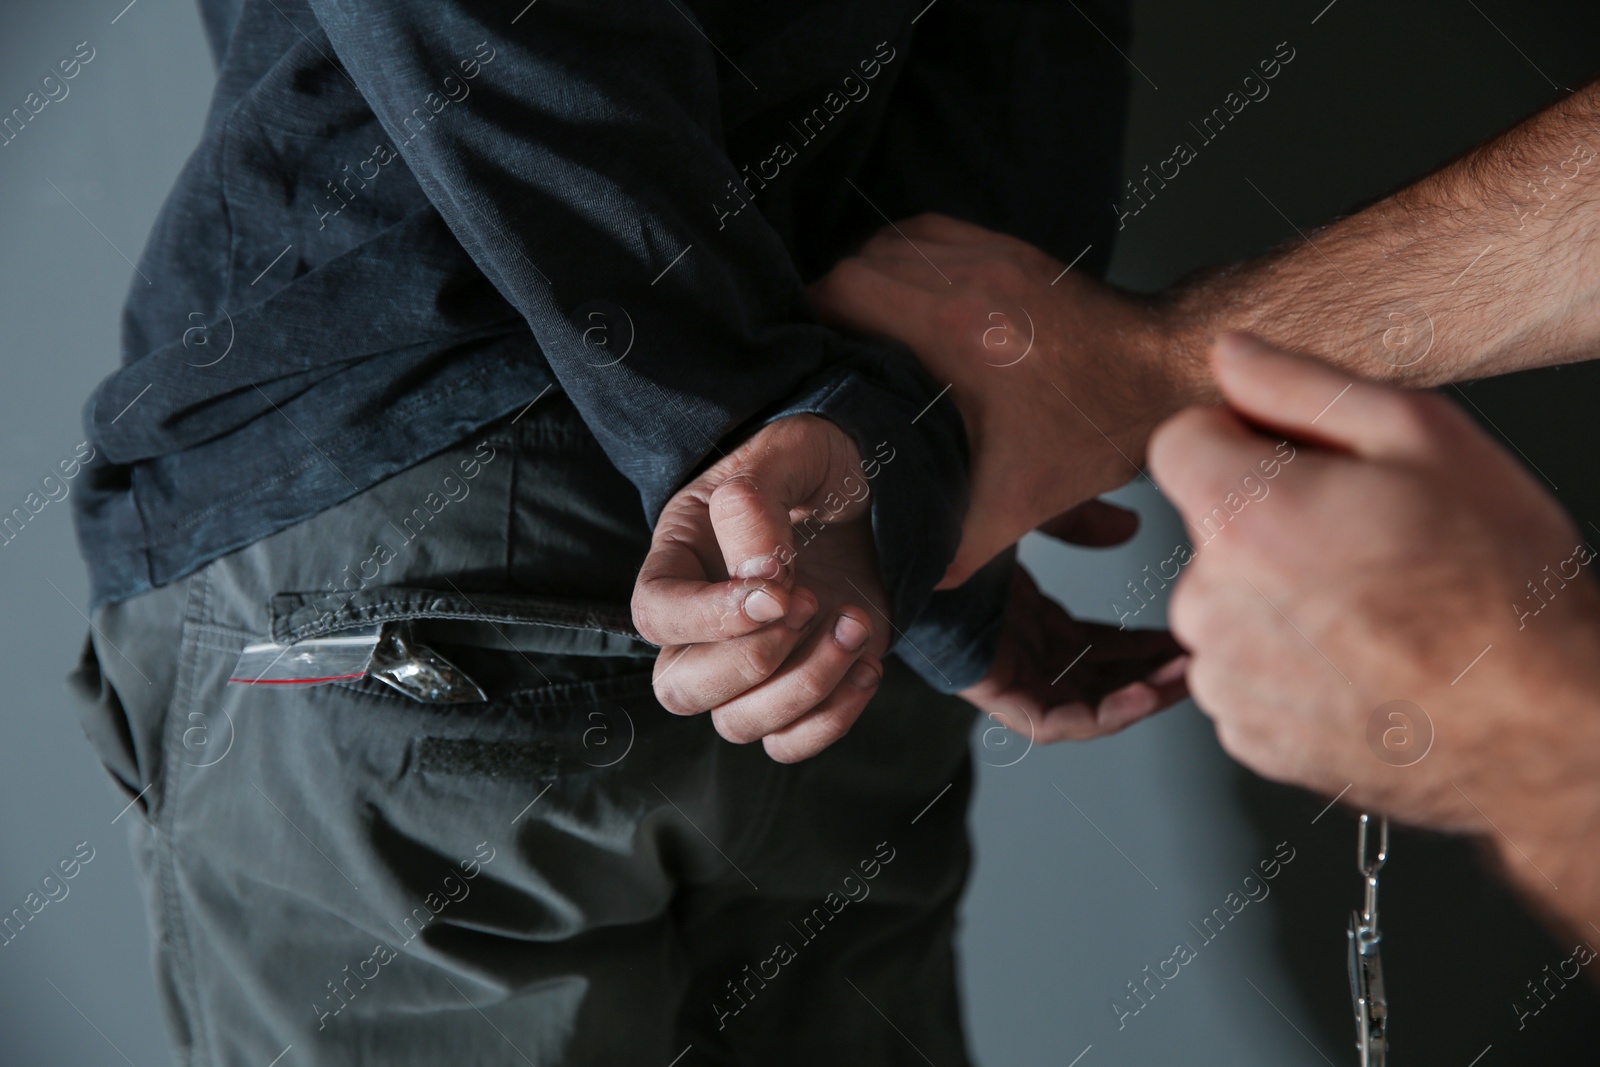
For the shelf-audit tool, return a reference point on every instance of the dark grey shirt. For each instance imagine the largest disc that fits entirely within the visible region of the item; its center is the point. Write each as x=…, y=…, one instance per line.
x=406, y=219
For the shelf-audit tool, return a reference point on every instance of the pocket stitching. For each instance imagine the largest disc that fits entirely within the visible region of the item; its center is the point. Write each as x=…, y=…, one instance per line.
x=399, y=604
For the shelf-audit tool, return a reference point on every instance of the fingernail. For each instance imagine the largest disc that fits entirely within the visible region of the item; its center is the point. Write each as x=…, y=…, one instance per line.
x=850, y=633
x=760, y=567
x=801, y=611
x=762, y=606
x=862, y=676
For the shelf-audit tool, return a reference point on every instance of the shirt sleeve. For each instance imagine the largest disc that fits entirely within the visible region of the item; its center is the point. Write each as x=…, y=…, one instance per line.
x=578, y=158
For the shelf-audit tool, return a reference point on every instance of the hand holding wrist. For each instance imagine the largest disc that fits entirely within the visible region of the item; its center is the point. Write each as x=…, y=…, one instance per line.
x=1060, y=379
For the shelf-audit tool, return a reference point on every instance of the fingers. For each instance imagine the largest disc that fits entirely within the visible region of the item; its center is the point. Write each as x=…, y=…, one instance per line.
x=675, y=604
x=1160, y=688
x=750, y=517
x=1308, y=400
x=1094, y=712
x=1088, y=715
x=783, y=467
x=830, y=720
x=939, y=238
x=933, y=226
x=806, y=681
x=1063, y=679
x=749, y=513
x=1200, y=457
x=1111, y=648
x=1129, y=673
x=693, y=678
x=876, y=298
x=1093, y=524
x=734, y=521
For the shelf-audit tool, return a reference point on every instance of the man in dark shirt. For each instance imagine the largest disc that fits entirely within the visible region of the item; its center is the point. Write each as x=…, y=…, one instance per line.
x=446, y=292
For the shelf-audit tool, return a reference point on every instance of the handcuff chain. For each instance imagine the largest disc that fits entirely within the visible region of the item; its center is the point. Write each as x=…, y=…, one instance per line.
x=1367, y=994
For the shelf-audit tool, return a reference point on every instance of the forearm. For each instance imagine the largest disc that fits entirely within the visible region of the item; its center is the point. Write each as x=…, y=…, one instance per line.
x=1489, y=265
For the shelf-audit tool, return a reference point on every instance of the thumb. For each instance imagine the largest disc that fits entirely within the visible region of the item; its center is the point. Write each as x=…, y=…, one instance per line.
x=784, y=467
x=876, y=298
x=1314, y=402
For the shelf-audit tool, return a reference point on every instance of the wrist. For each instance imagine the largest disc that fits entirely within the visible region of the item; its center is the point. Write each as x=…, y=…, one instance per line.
x=1185, y=320
x=1156, y=367
x=1273, y=297
x=1547, y=815
x=1124, y=362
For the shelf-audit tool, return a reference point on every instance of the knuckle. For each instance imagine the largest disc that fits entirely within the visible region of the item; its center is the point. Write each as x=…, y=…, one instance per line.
x=1202, y=678
x=1171, y=452
x=1234, y=743
x=1010, y=275
x=810, y=689
x=960, y=570
x=797, y=432
x=758, y=660
x=722, y=620
x=1444, y=420
x=1163, y=447
x=885, y=244
x=840, y=284
x=787, y=749
x=1184, y=613
x=643, y=617
x=1427, y=405
x=738, y=492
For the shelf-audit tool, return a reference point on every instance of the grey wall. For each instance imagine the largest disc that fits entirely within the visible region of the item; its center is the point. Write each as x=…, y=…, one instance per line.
x=1071, y=897
x=76, y=982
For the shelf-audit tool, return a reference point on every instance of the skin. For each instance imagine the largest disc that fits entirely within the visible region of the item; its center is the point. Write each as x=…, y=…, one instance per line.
x=1481, y=268
x=779, y=644
x=1484, y=267
x=1396, y=547
x=752, y=619
x=1073, y=364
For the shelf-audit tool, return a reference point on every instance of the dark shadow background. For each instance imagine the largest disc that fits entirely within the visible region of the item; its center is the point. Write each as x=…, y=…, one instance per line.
x=1379, y=94
x=1387, y=92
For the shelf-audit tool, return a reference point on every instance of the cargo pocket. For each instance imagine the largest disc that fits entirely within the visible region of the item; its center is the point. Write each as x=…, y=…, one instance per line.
x=501, y=685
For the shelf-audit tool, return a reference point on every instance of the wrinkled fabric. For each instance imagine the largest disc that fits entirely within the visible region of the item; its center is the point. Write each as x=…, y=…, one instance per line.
x=407, y=219
x=561, y=873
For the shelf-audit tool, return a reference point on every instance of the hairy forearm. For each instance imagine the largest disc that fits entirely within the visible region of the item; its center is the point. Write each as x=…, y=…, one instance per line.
x=1489, y=265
